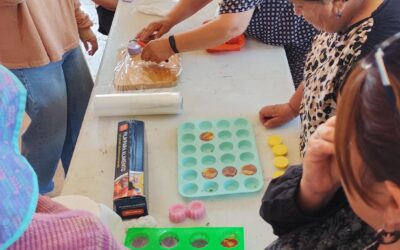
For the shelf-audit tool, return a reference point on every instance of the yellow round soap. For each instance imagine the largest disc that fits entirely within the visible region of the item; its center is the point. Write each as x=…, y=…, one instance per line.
x=277, y=174
x=274, y=140
x=281, y=162
x=280, y=150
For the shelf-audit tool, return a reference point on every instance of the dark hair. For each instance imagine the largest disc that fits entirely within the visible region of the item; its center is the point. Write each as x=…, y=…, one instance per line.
x=367, y=117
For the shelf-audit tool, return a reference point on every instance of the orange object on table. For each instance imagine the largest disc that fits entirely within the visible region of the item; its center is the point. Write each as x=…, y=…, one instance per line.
x=235, y=44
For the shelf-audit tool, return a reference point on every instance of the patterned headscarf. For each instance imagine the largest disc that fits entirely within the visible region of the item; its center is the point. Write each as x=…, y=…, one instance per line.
x=18, y=182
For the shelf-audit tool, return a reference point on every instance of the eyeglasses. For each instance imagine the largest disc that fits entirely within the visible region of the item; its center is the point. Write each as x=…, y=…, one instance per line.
x=376, y=58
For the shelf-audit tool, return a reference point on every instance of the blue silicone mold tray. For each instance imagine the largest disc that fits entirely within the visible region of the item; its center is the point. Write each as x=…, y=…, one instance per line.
x=218, y=157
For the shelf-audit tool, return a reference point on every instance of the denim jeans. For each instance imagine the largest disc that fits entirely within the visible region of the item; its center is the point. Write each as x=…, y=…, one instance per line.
x=58, y=95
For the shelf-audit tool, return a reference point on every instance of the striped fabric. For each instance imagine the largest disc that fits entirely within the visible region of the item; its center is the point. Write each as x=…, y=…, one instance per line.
x=55, y=227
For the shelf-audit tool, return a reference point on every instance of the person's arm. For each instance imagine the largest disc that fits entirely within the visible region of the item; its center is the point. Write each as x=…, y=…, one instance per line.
x=107, y=4
x=85, y=33
x=281, y=206
x=182, y=10
x=213, y=33
x=308, y=194
x=276, y=115
x=11, y=2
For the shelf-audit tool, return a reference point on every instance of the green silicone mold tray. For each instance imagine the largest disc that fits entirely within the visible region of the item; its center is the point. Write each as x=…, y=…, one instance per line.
x=218, y=157
x=204, y=238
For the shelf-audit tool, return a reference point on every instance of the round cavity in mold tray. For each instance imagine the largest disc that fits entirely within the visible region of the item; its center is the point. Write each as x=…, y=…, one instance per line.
x=231, y=185
x=206, y=136
x=224, y=135
x=188, y=126
x=189, y=175
x=209, y=173
x=249, y=169
x=210, y=187
x=189, y=149
x=241, y=122
x=205, y=125
x=207, y=148
x=228, y=158
x=190, y=189
x=199, y=240
x=189, y=162
x=169, y=240
x=244, y=145
x=223, y=124
x=208, y=160
x=251, y=183
x=188, y=138
x=229, y=171
x=139, y=241
x=226, y=146
x=246, y=157
x=242, y=133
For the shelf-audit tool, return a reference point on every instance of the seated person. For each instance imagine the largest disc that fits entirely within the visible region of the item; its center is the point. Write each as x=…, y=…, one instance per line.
x=350, y=30
x=351, y=164
x=105, y=12
x=28, y=220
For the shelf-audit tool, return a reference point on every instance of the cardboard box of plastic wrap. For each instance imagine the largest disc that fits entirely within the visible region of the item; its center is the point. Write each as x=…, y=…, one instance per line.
x=130, y=182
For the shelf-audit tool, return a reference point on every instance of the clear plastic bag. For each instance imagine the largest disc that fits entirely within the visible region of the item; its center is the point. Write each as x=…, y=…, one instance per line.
x=132, y=73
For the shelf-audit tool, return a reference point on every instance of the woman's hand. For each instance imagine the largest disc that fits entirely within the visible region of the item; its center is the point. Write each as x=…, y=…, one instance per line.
x=91, y=45
x=276, y=115
x=155, y=30
x=157, y=51
x=320, y=179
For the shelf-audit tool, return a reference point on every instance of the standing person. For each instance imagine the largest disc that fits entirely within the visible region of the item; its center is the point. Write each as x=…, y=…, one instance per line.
x=105, y=12
x=352, y=164
x=350, y=30
x=269, y=21
x=40, y=44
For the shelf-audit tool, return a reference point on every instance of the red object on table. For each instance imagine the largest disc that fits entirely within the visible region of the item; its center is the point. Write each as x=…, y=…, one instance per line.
x=235, y=44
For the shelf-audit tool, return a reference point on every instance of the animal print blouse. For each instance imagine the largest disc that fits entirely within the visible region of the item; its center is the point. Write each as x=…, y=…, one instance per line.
x=331, y=57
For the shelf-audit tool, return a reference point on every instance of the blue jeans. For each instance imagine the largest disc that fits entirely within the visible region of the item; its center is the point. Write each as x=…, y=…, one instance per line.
x=58, y=95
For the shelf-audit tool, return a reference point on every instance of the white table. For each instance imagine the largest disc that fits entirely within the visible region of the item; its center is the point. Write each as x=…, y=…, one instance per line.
x=214, y=86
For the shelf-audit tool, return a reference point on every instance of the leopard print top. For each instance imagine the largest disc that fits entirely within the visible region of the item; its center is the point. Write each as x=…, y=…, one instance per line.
x=331, y=57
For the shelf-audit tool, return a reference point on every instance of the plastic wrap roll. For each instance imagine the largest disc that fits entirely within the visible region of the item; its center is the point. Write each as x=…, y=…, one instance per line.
x=138, y=104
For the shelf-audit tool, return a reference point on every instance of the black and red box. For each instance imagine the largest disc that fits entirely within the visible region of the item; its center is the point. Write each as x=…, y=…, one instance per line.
x=130, y=182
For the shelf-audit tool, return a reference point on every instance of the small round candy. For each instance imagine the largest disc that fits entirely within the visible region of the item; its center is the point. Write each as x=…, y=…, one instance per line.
x=281, y=162
x=280, y=150
x=134, y=49
x=274, y=140
x=277, y=174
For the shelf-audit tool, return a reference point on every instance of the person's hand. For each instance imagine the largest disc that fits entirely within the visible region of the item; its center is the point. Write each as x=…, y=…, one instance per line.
x=91, y=45
x=276, y=115
x=320, y=169
x=155, y=30
x=320, y=178
x=157, y=51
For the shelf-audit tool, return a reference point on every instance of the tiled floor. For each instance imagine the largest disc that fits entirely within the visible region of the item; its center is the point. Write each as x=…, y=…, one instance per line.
x=93, y=63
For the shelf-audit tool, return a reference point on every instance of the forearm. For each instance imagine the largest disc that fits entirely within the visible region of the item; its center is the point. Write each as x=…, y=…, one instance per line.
x=108, y=4
x=311, y=201
x=82, y=19
x=184, y=9
x=215, y=32
x=10, y=2
x=295, y=100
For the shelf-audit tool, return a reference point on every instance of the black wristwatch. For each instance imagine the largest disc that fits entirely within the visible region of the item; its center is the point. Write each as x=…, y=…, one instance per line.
x=172, y=43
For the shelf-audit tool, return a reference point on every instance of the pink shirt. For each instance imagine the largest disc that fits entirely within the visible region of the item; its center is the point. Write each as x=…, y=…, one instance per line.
x=36, y=32
x=55, y=227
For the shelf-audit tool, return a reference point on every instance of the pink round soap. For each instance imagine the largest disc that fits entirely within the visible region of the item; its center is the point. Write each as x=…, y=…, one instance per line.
x=196, y=210
x=177, y=213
